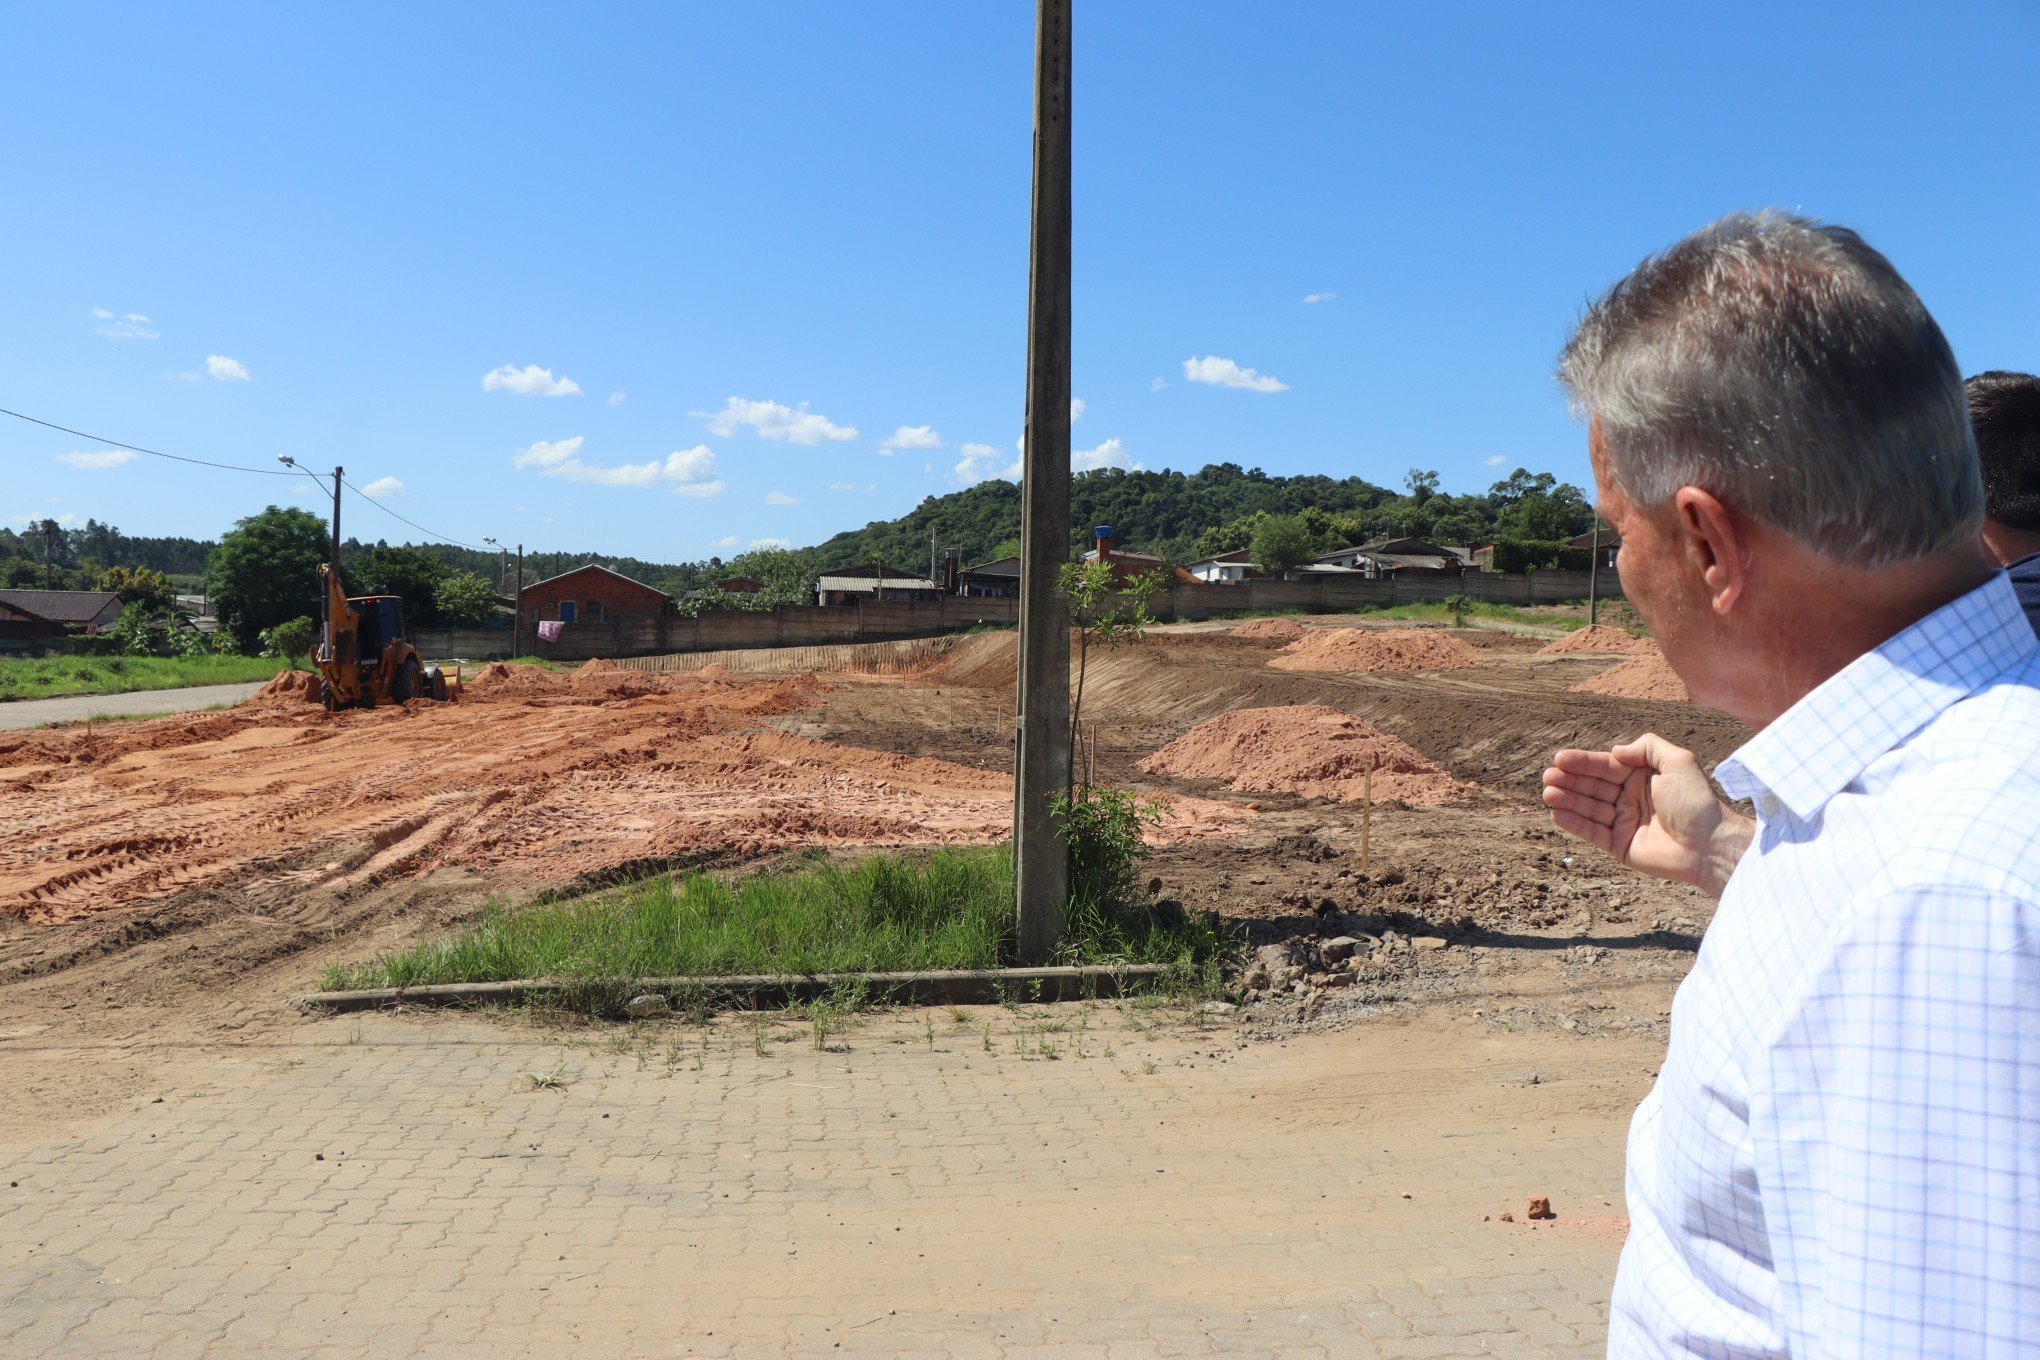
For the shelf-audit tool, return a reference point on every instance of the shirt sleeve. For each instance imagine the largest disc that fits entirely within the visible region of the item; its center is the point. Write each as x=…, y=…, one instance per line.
x=1896, y=1130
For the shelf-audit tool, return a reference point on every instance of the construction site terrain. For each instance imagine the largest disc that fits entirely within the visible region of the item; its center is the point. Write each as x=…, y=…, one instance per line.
x=1363, y=800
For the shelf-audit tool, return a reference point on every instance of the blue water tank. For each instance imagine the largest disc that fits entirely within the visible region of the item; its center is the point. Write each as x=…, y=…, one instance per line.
x=1102, y=531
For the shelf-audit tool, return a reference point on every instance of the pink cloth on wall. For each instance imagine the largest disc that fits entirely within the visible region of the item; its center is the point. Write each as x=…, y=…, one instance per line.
x=549, y=630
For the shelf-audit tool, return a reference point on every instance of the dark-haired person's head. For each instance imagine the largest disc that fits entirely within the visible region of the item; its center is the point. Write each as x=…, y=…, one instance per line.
x=2004, y=410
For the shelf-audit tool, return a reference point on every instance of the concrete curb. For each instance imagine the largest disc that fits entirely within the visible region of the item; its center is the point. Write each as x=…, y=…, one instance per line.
x=973, y=986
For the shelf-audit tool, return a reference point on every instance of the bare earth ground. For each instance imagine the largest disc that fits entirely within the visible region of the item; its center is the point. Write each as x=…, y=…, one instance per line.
x=166, y=889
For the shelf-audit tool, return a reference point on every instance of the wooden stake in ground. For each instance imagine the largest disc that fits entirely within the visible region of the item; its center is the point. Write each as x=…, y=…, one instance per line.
x=1366, y=815
x=1043, y=761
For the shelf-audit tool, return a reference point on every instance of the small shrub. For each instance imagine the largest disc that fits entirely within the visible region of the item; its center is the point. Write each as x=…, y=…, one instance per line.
x=1102, y=827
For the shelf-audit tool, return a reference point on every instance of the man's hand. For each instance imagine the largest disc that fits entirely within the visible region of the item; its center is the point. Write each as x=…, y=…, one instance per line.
x=1649, y=805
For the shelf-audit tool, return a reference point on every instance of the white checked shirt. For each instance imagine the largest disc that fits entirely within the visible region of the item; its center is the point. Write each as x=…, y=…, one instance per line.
x=1841, y=1156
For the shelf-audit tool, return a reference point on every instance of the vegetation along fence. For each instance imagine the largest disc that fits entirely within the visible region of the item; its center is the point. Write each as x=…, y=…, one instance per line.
x=732, y=630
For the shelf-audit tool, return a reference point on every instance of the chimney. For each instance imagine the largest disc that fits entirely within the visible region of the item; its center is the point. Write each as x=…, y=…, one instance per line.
x=1104, y=535
x=952, y=571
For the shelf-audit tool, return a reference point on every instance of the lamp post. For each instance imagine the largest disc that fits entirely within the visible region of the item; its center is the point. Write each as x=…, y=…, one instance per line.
x=291, y=462
x=325, y=615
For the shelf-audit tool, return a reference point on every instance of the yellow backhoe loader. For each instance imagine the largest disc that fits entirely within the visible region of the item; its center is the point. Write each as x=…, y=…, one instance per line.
x=363, y=657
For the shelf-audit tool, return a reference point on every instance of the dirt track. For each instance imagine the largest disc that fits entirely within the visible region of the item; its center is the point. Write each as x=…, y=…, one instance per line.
x=185, y=875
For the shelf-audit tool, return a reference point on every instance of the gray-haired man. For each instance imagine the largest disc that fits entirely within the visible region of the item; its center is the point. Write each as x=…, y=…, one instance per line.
x=1842, y=1152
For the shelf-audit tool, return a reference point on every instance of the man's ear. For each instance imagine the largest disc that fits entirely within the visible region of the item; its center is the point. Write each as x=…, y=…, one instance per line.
x=1715, y=546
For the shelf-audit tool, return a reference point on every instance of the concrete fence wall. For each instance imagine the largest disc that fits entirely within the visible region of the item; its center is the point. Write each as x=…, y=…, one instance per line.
x=882, y=621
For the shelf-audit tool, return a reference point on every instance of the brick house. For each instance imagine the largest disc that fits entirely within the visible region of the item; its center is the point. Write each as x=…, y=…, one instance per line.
x=593, y=594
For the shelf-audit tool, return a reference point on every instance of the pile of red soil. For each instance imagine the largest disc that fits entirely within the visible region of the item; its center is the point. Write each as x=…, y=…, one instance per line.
x=290, y=687
x=1364, y=649
x=1312, y=750
x=1287, y=629
x=1646, y=676
x=1598, y=638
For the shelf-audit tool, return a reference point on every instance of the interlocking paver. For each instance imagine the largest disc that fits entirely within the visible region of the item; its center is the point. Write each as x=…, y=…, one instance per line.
x=416, y=1192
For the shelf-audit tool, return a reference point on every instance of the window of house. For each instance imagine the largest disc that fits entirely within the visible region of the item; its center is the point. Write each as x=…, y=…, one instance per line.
x=594, y=611
x=569, y=612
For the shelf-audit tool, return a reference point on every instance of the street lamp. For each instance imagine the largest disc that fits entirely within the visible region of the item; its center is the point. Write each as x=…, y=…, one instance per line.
x=291, y=462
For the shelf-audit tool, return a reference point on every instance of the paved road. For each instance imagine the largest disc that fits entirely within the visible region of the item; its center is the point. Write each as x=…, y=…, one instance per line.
x=37, y=712
x=990, y=1182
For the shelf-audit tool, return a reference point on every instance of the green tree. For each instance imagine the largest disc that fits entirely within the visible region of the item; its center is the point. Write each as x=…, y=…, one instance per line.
x=413, y=574
x=465, y=599
x=290, y=640
x=1282, y=544
x=266, y=569
x=1105, y=612
x=139, y=587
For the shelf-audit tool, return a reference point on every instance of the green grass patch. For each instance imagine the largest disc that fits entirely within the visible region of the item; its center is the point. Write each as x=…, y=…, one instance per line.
x=1433, y=612
x=884, y=913
x=54, y=677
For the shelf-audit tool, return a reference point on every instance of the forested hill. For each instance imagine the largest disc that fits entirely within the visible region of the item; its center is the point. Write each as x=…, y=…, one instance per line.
x=1184, y=516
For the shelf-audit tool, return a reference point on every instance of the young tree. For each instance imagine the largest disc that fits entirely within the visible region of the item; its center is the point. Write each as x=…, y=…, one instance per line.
x=289, y=640
x=1104, y=612
x=1282, y=543
x=266, y=569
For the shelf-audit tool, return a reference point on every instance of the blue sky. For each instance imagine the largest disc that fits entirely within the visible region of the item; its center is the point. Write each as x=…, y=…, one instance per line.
x=763, y=241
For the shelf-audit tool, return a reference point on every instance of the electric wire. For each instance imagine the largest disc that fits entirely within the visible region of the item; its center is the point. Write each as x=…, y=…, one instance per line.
x=153, y=453
x=413, y=523
x=295, y=471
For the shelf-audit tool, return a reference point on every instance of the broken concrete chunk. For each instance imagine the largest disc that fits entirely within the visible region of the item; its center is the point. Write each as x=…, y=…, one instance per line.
x=1340, y=949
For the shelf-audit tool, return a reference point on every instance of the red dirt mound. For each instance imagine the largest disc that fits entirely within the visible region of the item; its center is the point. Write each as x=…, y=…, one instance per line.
x=1598, y=638
x=1312, y=750
x=1364, y=649
x=290, y=687
x=1288, y=629
x=1648, y=676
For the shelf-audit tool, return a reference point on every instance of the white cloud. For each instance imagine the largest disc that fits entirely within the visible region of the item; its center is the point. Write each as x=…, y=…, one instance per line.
x=774, y=421
x=1496, y=461
x=982, y=462
x=912, y=437
x=383, y=488
x=96, y=460
x=1076, y=409
x=225, y=369
x=616, y=397
x=852, y=486
x=529, y=381
x=1110, y=454
x=1319, y=297
x=1225, y=373
x=65, y=520
x=124, y=326
x=780, y=498
x=770, y=543
x=686, y=472
x=1158, y=384
x=725, y=543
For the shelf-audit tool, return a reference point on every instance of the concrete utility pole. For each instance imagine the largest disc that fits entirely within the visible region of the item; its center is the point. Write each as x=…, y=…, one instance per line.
x=1042, y=728
x=336, y=518
x=517, y=621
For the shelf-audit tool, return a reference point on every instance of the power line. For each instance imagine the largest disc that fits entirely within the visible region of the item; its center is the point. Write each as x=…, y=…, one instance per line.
x=137, y=448
x=413, y=523
x=236, y=467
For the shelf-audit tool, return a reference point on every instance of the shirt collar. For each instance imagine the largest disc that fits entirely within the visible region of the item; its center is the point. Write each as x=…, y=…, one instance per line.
x=1820, y=745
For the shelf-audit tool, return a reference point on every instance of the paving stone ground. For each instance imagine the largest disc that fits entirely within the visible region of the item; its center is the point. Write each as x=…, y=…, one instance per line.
x=988, y=1182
